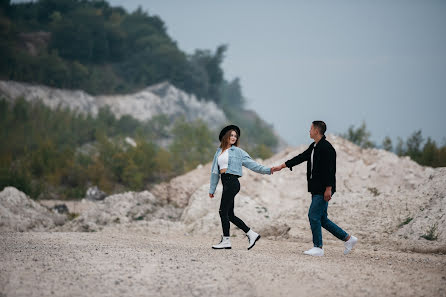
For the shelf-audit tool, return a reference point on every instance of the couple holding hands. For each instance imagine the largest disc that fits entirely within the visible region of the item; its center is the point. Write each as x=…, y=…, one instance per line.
x=321, y=176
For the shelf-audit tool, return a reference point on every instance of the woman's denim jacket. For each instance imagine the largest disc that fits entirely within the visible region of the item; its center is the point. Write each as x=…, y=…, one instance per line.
x=237, y=159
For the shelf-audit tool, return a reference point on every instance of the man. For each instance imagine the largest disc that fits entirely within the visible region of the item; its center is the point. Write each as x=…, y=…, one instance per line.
x=321, y=177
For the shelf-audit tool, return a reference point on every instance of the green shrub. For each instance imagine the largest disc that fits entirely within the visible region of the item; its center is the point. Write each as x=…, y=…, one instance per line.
x=406, y=221
x=431, y=233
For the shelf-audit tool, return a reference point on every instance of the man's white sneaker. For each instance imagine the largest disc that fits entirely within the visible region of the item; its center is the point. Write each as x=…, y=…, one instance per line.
x=349, y=244
x=315, y=251
x=252, y=238
x=225, y=243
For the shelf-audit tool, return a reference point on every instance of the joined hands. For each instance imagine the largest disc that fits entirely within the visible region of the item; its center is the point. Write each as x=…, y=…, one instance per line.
x=277, y=168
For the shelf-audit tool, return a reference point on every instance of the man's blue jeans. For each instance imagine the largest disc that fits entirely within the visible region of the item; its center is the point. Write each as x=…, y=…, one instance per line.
x=317, y=214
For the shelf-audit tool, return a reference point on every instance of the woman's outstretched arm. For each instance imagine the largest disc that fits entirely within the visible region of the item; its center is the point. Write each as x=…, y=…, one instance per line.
x=249, y=163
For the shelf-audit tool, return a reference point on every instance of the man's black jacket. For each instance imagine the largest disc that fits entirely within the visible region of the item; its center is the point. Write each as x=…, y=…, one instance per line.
x=324, y=167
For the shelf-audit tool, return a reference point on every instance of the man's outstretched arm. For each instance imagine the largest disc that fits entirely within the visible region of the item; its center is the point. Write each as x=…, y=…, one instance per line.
x=305, y=156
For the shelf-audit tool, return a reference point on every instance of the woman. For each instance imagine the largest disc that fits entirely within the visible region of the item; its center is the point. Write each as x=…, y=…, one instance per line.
x=228, y=161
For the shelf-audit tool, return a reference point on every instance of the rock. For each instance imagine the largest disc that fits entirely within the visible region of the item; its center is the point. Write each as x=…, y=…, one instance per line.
x=93, y=193
x=59, y=220
x=60, y=208
x=20, y=213
x=130, y=141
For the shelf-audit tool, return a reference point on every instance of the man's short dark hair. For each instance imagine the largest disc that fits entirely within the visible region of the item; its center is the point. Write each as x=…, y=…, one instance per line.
x=321, y=126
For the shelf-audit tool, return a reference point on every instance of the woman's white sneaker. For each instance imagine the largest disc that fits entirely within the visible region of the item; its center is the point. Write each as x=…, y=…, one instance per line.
x=252, y=238
x=225, y=243
x=349, y=244
x=315, y=251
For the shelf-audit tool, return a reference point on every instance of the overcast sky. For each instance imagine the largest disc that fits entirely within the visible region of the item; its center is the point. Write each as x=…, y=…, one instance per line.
x=344, y=62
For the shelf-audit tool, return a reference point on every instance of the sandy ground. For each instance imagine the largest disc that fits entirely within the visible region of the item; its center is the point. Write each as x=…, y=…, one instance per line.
x=114, y=263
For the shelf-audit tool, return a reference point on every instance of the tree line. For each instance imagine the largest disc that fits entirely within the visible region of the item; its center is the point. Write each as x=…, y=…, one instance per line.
x=425, y=152
x=58, y=153
x=46, y=152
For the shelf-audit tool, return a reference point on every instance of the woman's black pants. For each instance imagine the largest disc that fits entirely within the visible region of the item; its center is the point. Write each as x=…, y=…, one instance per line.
x=231, y=186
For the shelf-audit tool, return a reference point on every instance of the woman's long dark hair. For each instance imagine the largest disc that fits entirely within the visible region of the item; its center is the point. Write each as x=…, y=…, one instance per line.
x=225, y=139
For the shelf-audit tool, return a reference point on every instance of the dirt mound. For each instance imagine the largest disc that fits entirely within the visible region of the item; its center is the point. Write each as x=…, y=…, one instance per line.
x=180, y=189
x=122, y=209
x=19, y=213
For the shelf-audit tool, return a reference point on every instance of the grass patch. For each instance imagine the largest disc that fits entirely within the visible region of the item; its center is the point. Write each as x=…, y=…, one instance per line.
x=374, y=191
x=72, y=215
x=431, y=233
x=405, y=222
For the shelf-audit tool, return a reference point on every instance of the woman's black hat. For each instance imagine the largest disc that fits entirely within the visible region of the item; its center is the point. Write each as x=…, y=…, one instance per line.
x=227, y=128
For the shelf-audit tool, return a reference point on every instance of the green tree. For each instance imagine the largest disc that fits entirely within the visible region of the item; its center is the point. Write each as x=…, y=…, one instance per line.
x=261, y=151
x=5, y=7
x=430, y=154
x=192, y=145
x=208, y=66
x=99, y=175
x=55, y=72
x=231, y=94
x=132, y=176
x=7, y=45
x=359, y=136
x=45, y=8
x=387, y=144
x=442, y=157
x=413, y=145
x=117, y=40
x=73, y=41
x=254, y=130
x=144, y=157
x=164, y=164
x=79, y=75
x=400, y=149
